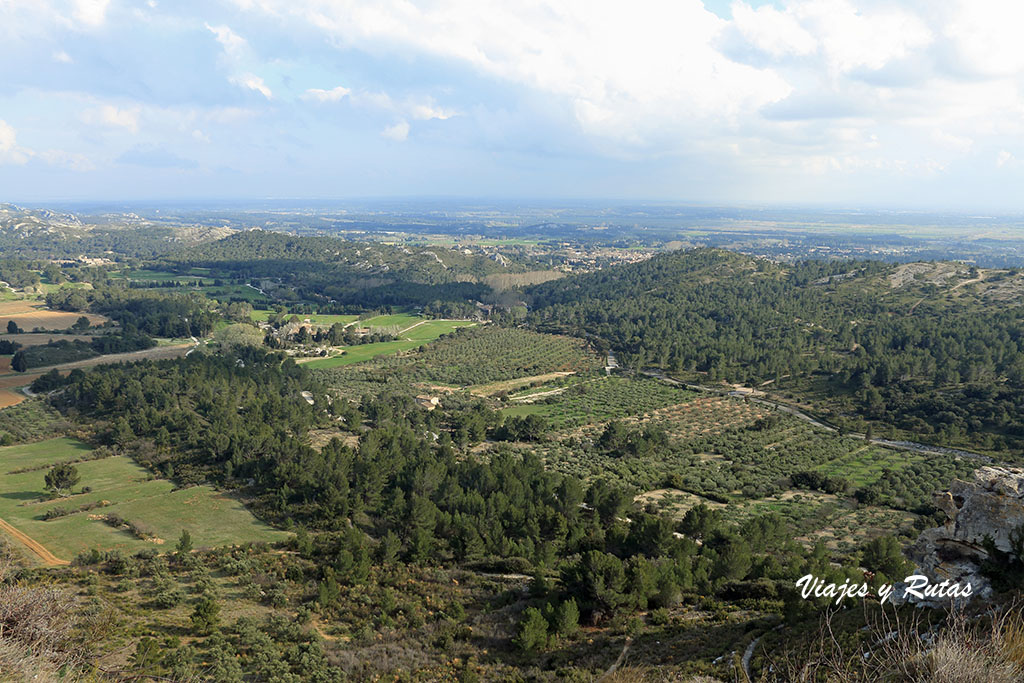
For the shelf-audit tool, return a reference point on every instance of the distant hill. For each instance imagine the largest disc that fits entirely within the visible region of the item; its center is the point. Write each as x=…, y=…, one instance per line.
x=40, y=233
x=340, y=272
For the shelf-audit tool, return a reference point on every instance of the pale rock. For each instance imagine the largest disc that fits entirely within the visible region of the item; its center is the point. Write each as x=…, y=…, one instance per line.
x=991, y=506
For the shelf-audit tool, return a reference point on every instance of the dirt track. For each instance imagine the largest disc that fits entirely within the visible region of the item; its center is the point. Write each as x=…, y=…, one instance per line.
x=9, y=382
x=48, y=558
x=12, y=380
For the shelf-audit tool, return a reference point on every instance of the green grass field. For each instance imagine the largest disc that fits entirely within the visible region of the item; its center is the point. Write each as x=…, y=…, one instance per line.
x=435, y=328
x=414, y=338
x=356, y=354
x=262, y=314
x=233, y=292
x=402, y=320
x=211, y=518
x=865, y=465
x=330, y=319
x=160, y=276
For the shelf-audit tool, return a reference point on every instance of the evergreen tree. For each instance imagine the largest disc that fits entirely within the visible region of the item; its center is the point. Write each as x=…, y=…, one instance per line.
x=62, y=477
x=184, y=543
x=533, y=631
x=19, y=363
x=567, y=618
x=206, y=616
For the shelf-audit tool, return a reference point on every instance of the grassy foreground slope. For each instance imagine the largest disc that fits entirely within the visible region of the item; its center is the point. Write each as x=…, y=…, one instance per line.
x=119, y=487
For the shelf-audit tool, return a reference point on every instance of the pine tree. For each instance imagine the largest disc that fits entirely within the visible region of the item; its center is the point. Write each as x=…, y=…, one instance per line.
x=184, y=543
x=567, y=618
x=206, y=616
x=533, y=631
x=19, y=363
x=62, y=477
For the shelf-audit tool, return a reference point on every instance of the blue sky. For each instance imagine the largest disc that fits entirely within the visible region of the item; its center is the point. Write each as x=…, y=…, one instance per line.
x=857, y=103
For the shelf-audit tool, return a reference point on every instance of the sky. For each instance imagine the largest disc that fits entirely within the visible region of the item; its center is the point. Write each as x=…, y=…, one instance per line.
x=913, y=103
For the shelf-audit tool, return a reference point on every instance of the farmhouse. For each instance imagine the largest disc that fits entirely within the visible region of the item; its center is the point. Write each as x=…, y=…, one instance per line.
x=428, y=402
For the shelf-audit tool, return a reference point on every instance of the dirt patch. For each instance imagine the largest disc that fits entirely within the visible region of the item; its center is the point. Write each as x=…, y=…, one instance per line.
x=437, y=388
x=10, y=398
x=15, y=380
x=681, y=500
x=318, y=438
x=38, y=339
x=509, y=385
x=48, y=558
x=31, y=316
x=15, y=307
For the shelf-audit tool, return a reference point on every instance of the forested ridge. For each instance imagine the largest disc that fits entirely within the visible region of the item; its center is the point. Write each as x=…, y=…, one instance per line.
x=349, y=275
x=947, y=365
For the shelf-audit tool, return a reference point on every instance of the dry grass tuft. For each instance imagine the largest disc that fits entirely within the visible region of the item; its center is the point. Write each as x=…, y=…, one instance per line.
x=983, y=649
x=37, y=626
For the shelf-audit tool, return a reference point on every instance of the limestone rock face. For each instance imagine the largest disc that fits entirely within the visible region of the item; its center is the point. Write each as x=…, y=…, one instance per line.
x=990, y=506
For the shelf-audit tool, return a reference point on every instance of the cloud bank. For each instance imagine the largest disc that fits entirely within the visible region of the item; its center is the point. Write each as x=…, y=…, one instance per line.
x=796, y=100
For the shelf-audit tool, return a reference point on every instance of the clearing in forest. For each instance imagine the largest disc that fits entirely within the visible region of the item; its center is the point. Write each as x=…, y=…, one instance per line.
x=118, y=486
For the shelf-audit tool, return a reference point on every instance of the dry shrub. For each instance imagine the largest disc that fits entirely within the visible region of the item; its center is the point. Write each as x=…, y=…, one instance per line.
x=636, y=674
x=986, y=648
x=36, y=628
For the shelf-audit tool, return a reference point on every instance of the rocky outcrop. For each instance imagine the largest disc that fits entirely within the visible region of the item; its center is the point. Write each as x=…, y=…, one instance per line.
x=991, y=506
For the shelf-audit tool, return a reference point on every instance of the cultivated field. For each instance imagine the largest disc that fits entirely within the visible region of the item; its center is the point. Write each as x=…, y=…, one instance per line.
x=121, y=487
x=10, y=398
x=605, y=398
x=38, y=339
x=29, y=315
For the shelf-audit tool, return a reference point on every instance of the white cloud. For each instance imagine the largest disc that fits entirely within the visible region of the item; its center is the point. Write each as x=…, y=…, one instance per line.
x=253, y=82
x=335, y=94
x=234, y=45
x=14, y=154
x=91, y=12
x=853, y=38
x=776, y=32
x=68, y=160
x=985, y=35
x=111, y=116
x=398, y=132
x=629, y=72
x=428, y=111
x=62, y=57
x=1003, y=158
x=10, y=152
